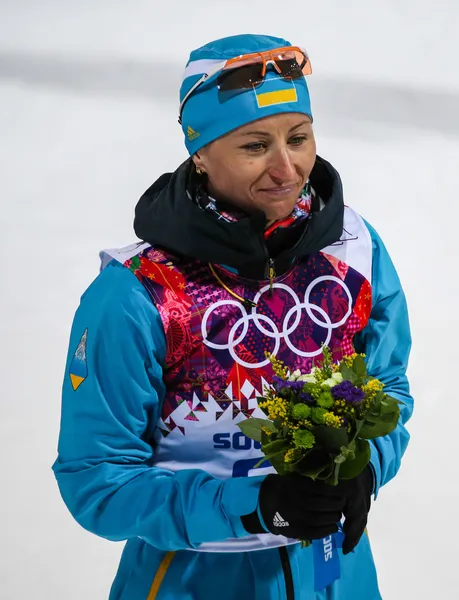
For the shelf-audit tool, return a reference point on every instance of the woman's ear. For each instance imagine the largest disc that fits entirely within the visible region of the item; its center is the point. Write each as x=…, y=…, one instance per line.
x=198, y=163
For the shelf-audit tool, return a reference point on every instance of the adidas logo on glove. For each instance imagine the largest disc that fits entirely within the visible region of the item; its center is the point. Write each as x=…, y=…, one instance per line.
x=278, y=521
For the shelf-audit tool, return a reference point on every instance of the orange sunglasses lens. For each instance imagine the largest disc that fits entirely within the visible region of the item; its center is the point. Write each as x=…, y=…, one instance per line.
x=243, y=72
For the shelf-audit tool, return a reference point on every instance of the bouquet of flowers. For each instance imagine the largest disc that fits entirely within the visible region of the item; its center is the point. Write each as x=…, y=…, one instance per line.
x=319, y=423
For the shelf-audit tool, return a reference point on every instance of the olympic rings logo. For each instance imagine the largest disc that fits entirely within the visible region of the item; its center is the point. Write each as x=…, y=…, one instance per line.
x=268, y=327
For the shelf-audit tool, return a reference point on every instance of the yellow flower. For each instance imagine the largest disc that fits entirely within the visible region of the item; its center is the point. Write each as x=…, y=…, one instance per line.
x=331, y=420
x=290, y=455
x=348, y=360
x=340, y=405
x=278, y=366
x=373, y=386
x=275, y=408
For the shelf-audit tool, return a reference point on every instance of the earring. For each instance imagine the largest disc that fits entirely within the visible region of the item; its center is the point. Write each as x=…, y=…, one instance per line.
x=199, y=171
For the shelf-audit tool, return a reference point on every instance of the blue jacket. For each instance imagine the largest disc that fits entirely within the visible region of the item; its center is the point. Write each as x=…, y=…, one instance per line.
x=104, y=462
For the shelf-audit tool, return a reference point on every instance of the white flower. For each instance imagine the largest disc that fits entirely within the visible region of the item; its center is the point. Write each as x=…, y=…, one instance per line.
x=308, y=378
x=295, y=375
x=335, y=379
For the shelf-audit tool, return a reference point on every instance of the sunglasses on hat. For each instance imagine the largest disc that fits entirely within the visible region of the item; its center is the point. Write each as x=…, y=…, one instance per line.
x=249, y=70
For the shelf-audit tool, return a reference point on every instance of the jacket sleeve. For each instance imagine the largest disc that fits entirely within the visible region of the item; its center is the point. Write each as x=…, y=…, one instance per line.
x=386, y=341
x=112, y=395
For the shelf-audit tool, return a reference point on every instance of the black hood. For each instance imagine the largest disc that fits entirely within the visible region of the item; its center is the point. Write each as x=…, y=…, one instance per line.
x=166, y=216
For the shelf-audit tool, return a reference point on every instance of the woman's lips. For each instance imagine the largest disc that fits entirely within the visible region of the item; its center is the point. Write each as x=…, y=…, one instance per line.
x=278, y=191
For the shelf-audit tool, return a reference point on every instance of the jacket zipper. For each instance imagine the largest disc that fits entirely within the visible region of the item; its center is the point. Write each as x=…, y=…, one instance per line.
x=270, y=273
x=287, y=568
x=270, y=270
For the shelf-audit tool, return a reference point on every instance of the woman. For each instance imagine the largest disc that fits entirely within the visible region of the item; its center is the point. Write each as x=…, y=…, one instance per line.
x=247, y=248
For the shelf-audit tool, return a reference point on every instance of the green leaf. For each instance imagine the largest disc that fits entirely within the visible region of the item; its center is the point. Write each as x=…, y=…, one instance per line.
x=354, y=428
x=277, y=461
x=375, y=406
x=359, y=366
x=284, y=431
x=327, y=472
x=357, y=425
x=383, y=427
x=275, y=447
x=265, y=439
x=391, y=417
x=370, y=417
x=277, y=424
x=359, y=381
x=315, y=462
x=260, y=462
x=330, y=438
x=347, y=373
x=351, y=468
x=389, y=405
x=383, y=421
x=252, y=427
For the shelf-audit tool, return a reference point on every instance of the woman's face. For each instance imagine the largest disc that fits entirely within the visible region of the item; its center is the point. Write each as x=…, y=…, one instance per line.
x=262, y=166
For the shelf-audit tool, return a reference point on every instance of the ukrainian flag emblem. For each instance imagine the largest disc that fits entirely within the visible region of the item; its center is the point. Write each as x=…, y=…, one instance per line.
x=275, y=91
x=78, y=367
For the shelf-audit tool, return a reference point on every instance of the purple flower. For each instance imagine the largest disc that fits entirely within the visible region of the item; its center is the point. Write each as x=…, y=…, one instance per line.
x=306, y=398
x=357, y=395
x=348, y=392
x=342, y=390
x=295, y=385
x=280, y=384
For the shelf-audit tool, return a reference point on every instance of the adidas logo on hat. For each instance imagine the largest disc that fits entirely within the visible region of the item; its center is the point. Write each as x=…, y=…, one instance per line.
x=192, y=134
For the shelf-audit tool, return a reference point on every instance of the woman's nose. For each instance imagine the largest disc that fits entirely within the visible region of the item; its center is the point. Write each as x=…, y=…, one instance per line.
x=282, y=167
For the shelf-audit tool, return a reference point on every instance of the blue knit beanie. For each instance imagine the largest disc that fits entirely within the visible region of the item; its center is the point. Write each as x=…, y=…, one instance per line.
x=209, y=113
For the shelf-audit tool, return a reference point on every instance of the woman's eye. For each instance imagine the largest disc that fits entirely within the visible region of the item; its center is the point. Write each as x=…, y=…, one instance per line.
x=255, y=147
x=298, y=140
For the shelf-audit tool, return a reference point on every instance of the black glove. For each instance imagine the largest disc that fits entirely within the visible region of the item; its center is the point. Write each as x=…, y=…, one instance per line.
x=358, y=502
x=300, y=508
x=297, y=507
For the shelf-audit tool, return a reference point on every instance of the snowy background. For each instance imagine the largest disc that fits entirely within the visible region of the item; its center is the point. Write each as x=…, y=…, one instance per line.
x=88, y=107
